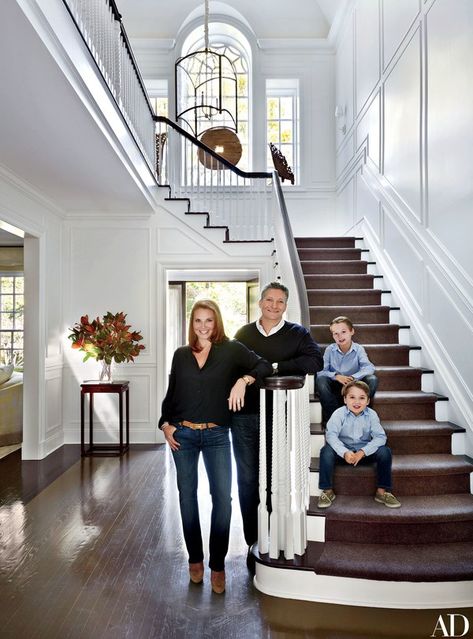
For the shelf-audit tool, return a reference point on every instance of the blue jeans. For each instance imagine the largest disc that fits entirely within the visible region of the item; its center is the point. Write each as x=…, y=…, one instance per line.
x=245, y=440
x=214, y=443
x=382, y=457
x=330, y=393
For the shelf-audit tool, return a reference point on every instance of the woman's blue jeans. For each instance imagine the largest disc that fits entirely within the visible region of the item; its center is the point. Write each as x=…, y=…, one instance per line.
x=330, y=393
x=214, y=443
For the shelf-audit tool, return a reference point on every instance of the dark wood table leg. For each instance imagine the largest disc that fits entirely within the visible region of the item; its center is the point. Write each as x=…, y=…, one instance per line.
x=120, y=419
x=127, y=417
x=82, y=425
x=91, y=421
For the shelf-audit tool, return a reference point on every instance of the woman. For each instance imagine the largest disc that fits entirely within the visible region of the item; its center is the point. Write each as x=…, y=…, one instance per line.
x=206, y=383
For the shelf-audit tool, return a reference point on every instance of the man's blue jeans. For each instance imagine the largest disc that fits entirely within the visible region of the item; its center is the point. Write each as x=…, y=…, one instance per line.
x=214, y=443
x=382, y=457
x=330, y=393
x=245, y=440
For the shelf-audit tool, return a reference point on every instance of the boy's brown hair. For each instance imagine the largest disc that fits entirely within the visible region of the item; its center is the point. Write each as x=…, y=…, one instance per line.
x=358, y=384
x=341, y=319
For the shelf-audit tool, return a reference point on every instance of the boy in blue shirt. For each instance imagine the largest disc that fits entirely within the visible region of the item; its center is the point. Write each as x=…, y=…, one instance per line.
x=344, y=361
x=355, y=435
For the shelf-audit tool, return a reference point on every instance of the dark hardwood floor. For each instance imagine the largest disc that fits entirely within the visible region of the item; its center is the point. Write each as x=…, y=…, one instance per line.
x=93, y=549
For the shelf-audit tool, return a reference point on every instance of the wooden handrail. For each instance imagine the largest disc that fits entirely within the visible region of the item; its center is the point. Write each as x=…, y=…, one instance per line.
x=293, y=254
x=283, y=382
x=207, y=149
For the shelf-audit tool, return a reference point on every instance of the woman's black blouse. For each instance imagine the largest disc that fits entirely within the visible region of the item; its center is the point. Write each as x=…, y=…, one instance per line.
x=200, y=394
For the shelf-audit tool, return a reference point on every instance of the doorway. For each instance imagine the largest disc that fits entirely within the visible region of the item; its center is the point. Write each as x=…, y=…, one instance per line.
x=237, y=299
x=11, y=341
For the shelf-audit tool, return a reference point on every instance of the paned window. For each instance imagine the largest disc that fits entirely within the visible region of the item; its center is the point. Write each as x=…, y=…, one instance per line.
x=11, y=317
x=282, y=121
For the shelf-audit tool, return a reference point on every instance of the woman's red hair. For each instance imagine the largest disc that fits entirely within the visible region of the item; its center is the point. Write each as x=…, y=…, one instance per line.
x=218, y=335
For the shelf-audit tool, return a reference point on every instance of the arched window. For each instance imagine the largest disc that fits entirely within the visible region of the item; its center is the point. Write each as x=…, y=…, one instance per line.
x=224, y=40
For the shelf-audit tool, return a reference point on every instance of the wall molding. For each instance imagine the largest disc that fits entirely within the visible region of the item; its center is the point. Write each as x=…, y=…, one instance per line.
x=434, y=263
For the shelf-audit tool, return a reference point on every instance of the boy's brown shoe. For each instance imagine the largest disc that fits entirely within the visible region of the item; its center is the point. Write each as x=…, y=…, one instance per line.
x=326, y=499
x=196, y=572
x=387, y=499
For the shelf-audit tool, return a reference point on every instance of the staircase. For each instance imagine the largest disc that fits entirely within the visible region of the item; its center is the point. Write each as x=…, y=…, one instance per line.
x=360, y=552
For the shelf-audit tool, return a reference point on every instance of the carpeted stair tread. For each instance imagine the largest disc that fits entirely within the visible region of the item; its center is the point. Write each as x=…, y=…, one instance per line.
x=425, y=508
x=364, y=333
x=339, y=281
x=329, y=253
x=347, y=267
x=411, y=465
x=420, y=427
x=409, y=562
x=401, y=370
x=321, y=242
x=343, y=297
x=361, y=314
x=400, y=378
x=407, y=397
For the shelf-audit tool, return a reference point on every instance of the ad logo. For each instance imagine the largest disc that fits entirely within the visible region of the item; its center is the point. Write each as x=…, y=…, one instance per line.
x=447, y=628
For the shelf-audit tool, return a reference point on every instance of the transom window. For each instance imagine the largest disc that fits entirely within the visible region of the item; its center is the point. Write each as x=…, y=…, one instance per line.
x=11, y=317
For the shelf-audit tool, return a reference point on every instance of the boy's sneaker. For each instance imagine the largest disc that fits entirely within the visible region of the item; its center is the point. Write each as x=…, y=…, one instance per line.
x=326, y=499
x=388, y=500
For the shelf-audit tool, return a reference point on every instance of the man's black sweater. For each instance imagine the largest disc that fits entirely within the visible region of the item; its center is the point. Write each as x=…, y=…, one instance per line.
x=292, y=347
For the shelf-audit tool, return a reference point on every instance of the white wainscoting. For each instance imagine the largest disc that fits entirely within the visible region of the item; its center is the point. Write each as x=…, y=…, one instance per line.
x=413, y=203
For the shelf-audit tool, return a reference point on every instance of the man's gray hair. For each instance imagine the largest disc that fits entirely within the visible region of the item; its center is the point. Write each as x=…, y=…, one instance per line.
x=276, y=285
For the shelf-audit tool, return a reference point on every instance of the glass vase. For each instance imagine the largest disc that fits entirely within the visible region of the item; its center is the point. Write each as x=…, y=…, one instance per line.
x=105, y=372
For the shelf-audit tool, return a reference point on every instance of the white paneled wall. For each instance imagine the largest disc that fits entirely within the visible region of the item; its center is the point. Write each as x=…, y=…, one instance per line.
x=127, y=263
x=405, y=65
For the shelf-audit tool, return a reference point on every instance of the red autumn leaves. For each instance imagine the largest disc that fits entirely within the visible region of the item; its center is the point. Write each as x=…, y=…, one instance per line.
x=106, y=339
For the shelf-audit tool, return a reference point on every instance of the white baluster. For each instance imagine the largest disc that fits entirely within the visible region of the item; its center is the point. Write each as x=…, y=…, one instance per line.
x=263, y=517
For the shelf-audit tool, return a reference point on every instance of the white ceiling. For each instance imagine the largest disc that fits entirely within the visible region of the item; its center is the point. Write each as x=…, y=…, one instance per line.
x=267, y=18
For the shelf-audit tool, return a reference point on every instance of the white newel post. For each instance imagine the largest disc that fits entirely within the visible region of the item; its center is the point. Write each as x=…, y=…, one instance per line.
x=285, y=529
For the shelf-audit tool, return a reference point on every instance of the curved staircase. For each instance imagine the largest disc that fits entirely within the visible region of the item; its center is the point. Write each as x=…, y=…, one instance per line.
x=360, y=552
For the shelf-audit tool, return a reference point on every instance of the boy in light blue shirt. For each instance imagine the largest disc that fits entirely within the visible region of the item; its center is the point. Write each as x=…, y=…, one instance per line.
x=354, y=435
x=344, y=361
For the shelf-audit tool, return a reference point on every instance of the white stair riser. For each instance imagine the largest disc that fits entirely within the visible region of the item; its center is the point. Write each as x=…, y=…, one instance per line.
x=315, y=528
x=315, y=413
x=316, y=443
x=308, y=586
x=427, y=382
x=314, y=484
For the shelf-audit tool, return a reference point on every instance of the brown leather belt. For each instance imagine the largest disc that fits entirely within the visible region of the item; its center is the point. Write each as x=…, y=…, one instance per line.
x=194, y=426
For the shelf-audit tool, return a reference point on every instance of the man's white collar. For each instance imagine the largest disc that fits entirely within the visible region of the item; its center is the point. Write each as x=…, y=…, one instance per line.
x=275, y=329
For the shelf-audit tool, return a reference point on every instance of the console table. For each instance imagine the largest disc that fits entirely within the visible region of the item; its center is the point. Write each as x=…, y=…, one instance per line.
x=119, y=388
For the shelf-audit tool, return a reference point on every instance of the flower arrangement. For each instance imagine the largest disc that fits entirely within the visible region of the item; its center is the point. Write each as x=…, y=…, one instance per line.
x=107, y=339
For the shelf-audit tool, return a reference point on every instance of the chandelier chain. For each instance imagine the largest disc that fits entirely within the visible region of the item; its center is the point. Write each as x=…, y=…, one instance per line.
x=206, y=24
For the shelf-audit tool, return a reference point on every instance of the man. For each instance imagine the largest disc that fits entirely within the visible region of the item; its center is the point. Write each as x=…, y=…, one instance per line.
x=292, y=351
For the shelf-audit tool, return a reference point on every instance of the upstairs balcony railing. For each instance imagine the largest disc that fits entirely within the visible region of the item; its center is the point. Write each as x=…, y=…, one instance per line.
x=236, y=199
x=99, y=23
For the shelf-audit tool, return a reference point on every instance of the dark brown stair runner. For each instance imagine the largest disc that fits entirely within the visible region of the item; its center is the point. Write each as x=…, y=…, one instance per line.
x=430, y=538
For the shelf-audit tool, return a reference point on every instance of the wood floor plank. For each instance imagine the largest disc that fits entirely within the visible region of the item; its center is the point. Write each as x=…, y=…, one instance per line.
x=99, y=554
